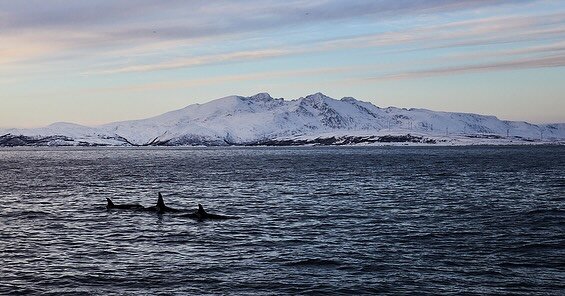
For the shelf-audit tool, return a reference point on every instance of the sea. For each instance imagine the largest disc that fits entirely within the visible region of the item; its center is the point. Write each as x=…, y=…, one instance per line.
x=428, y=220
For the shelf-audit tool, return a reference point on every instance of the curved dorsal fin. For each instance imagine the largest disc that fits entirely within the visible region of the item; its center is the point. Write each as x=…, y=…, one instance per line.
x=110, y=203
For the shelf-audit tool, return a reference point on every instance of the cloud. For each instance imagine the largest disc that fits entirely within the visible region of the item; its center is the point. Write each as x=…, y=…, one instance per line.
x=199, y=60
x=107, y=24
x=516, y=64
x=215, y=80
x=544, y=49
x=474, y=33
x=118, y=37
x=210, y=16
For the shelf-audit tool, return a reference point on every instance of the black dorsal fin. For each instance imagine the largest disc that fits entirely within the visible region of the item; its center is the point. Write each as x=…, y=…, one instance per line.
x=201, y=209
x=110, y=203
x=160, y=202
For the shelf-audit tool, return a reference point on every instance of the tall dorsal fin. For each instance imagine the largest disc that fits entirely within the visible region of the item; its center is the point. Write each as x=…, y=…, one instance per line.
x=160, y=202
x=110, y=203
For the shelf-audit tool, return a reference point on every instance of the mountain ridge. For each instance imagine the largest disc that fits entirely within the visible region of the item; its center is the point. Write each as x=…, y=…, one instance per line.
x=314, y=119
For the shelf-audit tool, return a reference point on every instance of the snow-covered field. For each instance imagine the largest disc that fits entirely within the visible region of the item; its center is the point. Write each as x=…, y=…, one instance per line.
x=263, y=120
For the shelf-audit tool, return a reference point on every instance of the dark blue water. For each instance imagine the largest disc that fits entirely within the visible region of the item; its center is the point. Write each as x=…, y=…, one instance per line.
x=432, y=220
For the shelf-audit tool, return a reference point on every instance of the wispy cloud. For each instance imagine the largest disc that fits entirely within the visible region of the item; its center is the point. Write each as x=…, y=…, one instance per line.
x=215, y=80
x=105, y=25
x=203, y=16
x=107, y=29
x=551, y=48
x=200, y=60
x=475, y=33
x=524, y=63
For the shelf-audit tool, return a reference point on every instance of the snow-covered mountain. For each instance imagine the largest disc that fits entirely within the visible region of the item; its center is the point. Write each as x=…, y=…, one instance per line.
x=314, y=119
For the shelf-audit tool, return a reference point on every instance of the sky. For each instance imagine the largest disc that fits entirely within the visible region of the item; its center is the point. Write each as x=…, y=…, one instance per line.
x=94, y=62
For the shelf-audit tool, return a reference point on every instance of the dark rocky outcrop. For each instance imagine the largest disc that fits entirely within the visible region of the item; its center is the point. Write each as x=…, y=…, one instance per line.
x=345, y=140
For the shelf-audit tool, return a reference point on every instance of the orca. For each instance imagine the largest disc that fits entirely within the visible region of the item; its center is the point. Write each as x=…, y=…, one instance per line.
x=202, y=215
x=162, y=208
x=111, y=205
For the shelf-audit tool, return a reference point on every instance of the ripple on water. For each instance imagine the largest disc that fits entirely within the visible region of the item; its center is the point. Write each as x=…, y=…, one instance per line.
x=436, y=220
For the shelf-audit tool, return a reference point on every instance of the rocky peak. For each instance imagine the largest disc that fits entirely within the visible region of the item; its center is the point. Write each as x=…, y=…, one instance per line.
x=317, y=97
x=262, y=97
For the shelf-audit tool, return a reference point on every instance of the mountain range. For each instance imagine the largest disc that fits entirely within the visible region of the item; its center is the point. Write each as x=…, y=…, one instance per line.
x=314, y=119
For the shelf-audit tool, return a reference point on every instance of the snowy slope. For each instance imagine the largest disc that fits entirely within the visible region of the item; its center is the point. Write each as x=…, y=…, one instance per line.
x=237, y=120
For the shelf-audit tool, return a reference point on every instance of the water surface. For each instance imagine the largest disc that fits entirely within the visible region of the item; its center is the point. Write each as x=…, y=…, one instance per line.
x=332, y=220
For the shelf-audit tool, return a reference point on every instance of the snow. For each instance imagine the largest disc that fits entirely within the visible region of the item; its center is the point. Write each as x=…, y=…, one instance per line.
x=241, y=120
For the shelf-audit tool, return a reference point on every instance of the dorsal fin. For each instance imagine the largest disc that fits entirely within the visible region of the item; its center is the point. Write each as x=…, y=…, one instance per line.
x=160, y=202
x=201, y=209
x=110, y=203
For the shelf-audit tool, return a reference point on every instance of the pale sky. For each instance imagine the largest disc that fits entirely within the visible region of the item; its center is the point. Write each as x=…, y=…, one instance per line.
x=94, y=62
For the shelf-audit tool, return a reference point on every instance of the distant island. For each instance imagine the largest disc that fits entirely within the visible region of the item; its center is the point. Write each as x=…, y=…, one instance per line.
x=317, y=119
